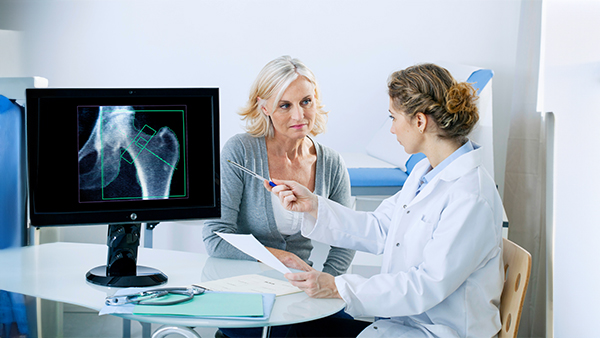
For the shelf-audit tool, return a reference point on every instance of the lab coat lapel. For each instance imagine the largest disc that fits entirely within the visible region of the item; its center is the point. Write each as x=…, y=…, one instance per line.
x=412, y=183
x=462, y=165
x=455, y=170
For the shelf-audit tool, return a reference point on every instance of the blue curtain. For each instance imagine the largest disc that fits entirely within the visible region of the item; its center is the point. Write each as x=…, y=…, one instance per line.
x=12, y=207
x=12, y=174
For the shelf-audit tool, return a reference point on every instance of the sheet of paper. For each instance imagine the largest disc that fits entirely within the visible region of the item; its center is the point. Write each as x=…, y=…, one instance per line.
x=251, y=283
x=252, y=247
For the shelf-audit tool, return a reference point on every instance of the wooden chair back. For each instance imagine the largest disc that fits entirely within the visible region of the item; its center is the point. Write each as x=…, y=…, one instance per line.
x=517, y=268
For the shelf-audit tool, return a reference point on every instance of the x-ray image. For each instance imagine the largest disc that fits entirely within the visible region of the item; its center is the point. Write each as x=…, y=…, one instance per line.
x=131, y=153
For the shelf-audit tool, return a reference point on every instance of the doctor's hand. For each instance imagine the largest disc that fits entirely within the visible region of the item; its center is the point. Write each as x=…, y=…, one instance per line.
x=315, y=283
x=295, y=197
x=290, y=259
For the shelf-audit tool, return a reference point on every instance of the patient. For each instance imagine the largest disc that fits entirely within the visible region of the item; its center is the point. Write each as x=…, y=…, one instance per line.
x=283, y=113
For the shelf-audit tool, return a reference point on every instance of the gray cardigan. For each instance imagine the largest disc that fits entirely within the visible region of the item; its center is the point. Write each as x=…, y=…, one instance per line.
x=246, y=205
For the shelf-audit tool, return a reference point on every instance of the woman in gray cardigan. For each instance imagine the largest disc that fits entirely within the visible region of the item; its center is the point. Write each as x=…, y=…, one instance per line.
x=283, y=111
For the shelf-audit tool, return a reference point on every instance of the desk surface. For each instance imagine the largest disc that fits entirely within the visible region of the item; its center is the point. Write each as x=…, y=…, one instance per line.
x=57, y=271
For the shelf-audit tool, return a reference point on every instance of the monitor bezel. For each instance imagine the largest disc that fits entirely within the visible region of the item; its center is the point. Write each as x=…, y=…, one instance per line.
x=134, y=215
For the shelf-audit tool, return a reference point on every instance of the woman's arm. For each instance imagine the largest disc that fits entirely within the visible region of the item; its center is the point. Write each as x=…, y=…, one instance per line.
x=232, y=188
x=338, y=259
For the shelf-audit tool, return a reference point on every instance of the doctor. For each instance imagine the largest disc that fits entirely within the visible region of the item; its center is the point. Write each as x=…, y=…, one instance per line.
x=440, y=236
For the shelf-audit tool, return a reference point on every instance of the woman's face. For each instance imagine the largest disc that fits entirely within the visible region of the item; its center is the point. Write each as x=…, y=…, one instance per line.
x=406, y=130
x=295, y=113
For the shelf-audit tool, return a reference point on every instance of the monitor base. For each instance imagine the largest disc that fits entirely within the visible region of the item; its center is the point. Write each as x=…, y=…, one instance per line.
x=145, y=276
x=121, y=269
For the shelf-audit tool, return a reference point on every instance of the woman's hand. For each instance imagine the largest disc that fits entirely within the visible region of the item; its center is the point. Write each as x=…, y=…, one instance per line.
x=295, y=197
x=290, y=260
x=315, y=283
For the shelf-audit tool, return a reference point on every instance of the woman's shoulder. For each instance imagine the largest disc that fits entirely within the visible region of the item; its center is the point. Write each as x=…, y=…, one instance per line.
x=244, y=138
x=241, y=141
x=326, y=152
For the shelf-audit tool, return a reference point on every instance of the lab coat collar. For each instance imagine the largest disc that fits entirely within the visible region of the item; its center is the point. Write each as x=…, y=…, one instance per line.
x=453, y=171
x=462, y=164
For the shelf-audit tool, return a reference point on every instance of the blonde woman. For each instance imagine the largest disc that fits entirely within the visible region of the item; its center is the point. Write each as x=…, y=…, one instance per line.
x=283, y=113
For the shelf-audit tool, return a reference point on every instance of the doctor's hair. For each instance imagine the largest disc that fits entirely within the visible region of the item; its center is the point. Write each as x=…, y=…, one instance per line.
x=431, y=89
x=272, y=81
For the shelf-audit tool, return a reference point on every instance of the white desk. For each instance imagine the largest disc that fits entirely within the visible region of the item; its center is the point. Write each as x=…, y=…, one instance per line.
x=57, y=271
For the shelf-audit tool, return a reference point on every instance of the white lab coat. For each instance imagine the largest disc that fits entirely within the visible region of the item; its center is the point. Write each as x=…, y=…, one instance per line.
x=442, y=272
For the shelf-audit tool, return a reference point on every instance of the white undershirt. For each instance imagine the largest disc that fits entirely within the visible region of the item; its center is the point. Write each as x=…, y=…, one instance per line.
x=288, y=222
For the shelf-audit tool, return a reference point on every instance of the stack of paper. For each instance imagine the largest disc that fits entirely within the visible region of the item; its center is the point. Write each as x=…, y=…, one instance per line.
x=251, y=283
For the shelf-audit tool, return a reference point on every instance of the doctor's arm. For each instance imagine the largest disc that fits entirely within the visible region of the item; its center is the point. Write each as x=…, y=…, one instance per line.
x=334, y=224
x=463, y=241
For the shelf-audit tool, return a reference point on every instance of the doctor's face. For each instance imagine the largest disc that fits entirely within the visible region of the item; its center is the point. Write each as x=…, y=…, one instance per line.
x=405, y=129
x=295, y=113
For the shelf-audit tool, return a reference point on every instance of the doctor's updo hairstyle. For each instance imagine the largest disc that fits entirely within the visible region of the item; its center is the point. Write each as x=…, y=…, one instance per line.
x=272, y=82
x=431, y=89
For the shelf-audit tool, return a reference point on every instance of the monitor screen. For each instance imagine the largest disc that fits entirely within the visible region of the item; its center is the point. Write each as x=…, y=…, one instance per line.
x=100, y=156
x=122, y=157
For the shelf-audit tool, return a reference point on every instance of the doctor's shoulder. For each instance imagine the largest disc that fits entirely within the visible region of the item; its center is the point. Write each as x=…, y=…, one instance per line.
x=476, y=189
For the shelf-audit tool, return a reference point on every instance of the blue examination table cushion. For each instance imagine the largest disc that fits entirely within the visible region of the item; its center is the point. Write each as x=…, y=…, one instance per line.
x=383, y=177
x=377, y=177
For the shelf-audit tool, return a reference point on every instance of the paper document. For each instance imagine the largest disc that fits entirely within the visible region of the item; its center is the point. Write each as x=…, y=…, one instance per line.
x=251, y=283
x=252, y=247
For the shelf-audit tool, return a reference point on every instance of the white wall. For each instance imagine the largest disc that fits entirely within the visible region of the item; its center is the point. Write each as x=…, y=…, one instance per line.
x=10, y=53
x=572, y=91
x=352, y=46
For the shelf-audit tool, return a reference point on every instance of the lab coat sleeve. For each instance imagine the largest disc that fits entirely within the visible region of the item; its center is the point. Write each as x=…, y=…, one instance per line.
x=463, y=241
x=344, y=227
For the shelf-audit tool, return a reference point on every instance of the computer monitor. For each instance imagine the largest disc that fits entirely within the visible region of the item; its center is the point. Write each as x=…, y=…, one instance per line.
x=122, y=157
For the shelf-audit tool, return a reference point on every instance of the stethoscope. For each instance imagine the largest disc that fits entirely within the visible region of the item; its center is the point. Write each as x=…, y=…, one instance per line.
x=152, y=297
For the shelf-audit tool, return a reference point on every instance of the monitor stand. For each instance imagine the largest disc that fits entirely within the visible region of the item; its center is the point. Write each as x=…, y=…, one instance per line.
x=121, y=269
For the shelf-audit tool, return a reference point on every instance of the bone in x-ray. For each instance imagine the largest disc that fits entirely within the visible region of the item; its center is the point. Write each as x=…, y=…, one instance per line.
x=154, y=155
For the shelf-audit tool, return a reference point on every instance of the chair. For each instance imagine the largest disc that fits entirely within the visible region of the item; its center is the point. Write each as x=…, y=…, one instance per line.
x=517, y=268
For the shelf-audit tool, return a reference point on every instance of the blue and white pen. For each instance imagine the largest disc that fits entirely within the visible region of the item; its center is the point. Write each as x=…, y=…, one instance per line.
x=250, y=172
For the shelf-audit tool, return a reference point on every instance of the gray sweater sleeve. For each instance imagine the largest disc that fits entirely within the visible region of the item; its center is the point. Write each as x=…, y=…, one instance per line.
x=336, y=187
x=232, y=187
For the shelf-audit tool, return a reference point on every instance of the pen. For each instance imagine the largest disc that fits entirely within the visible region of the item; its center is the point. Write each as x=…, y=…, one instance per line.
x=248, y=171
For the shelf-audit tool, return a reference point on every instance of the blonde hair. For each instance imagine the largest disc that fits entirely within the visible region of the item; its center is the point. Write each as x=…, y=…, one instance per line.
x=431, y=90
x=272, y=81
